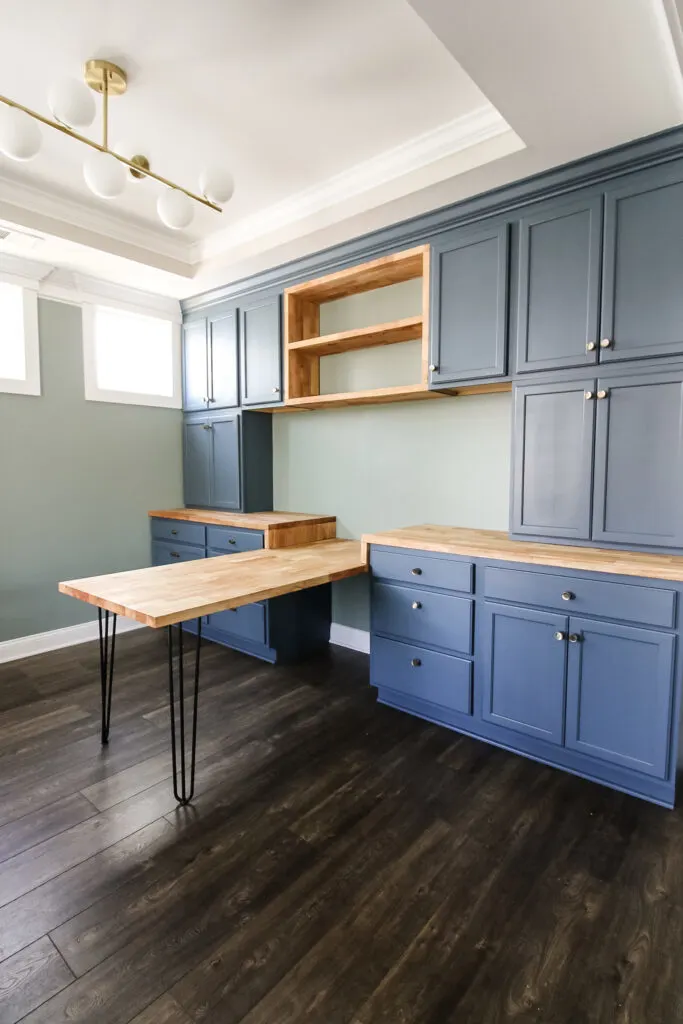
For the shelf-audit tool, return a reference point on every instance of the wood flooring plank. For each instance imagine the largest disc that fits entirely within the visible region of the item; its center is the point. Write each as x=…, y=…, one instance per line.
x=163, y=1011
x=30, y=977
x=37, y=826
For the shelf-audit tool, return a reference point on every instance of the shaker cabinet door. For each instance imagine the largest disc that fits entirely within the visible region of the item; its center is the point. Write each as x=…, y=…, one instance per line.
x=224, y=383
x=261, y=351
x=553, y=439
x=559, y=286
x=642, y=297
x=195, y=366
x=197, y=457
x=469, y=305
x=638, y=489
x=225, y=469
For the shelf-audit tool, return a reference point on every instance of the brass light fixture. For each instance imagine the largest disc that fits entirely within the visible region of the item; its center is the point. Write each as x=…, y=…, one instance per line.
x=104, y=170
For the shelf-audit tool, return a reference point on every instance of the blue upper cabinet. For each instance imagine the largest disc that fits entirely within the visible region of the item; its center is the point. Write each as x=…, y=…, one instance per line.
x=223, y=377
x=642, y=297
x=552, y=460
x=195, y=365
x=619, y=694
x=469, y=305
x=261, y=350
x=639, y=460
x=559, y=285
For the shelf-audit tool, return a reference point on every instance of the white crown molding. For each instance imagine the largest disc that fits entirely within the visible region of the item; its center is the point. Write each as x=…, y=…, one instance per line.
x=18, y=270
x=39, y=643
x=446, y=140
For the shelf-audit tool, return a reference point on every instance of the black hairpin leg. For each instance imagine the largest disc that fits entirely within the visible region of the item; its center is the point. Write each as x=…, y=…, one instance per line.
x=107, y=644
x=183, y=791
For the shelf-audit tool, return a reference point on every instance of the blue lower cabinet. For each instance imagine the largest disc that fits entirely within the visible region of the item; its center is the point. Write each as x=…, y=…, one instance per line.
x=620, y=694
x=440, y=620
x=524, y=670
x=248, y=622
x=416, y=672
x=164, y=553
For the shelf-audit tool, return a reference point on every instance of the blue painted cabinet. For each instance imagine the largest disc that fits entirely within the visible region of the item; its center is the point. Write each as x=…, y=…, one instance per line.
x=211, y=460
x=210, y=361
x=195, y=365
x=469, y=305
x=197, y=460
x=524, y=670
x=620, y=694
x=552, y=460
x=558, y=307
x=261, y=350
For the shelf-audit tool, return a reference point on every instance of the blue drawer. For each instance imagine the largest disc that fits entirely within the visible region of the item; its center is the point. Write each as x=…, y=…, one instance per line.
x=229, y=541
x=167, y=554
x=647, y=605
x=422, y=569
x=249, y=622
x=438, y=678
x=179, y=532
x=423, y=616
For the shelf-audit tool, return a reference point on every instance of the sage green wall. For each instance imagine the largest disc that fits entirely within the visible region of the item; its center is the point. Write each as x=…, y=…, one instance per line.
x=77, y=479
x=440, y=461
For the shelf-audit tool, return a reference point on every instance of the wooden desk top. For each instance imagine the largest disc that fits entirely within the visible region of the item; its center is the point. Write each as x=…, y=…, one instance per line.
x=496, y=544
x=166, y=594
x=280, y=529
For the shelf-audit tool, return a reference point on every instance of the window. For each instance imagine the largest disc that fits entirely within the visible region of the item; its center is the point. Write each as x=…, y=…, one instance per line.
x=131, y=358
x=19, y=349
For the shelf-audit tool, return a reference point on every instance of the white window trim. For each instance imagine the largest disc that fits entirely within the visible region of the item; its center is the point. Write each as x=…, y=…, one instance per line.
x=31, y=384
x=95, y=394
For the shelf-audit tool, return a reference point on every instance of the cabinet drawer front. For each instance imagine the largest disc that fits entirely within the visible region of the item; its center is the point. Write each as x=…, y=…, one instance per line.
x=648, y=605
x=164, y=553
x=437, y=678
x=179, y=532
x=417, y=568
x=423, y=617
x=249, y=622
x=229, y=540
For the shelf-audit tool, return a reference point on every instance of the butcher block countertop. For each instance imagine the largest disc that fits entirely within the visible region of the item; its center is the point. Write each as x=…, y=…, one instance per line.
x=495, y=544
x=166, y=594
x=280, y=529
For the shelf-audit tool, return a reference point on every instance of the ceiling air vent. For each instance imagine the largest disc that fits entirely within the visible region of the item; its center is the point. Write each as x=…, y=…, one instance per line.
x=3, y=233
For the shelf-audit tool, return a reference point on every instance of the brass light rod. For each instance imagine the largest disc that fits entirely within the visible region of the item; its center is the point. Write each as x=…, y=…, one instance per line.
x=105, y=149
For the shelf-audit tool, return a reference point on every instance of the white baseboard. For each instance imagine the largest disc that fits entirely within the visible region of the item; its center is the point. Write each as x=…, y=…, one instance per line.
x=348, y=636
x=38, y=643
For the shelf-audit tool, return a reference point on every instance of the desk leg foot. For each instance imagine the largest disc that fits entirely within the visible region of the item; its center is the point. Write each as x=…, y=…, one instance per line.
x=107, y=645
x=183, y=788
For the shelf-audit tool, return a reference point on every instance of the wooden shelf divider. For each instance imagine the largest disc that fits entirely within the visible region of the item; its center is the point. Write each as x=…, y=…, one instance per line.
x=408, y=329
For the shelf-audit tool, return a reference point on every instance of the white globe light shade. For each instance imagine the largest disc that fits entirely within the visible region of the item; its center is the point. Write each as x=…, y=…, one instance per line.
x=175, y=209
x=217, y=185
x=104, y=175
x=20, y=137
x=72, y=103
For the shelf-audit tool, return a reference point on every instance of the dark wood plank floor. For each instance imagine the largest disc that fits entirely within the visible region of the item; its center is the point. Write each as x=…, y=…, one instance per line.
x=342, y=863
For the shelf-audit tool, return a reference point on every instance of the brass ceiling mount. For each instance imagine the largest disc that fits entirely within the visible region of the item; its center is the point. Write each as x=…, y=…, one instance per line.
x=139, y=161
x=99, y=74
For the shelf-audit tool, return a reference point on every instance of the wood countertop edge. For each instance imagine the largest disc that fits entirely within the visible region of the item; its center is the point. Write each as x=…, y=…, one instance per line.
x=214, y=517
x=646, y=565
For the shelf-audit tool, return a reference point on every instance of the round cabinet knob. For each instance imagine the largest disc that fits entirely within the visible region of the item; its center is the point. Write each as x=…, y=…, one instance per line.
x=417, y=604
x=174, y=554
x=174, y=532
x=416, y=663
x=588, y=395
x=433, y=368
x=591, y=346
x=560, y=636
x=212, y=399
x=603, y=394
x=568, y=596
x=416, y=572
x=606, y=343
x=574, y=638
x=276, y=391
x=232, y=540
x=206, y=426
x=206, y=400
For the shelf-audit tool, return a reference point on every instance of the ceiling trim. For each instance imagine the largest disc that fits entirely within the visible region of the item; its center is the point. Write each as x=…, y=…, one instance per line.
x=671, y=33
x=417, y=153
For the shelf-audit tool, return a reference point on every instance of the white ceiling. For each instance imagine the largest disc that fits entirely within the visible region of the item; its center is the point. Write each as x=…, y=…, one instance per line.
x=335, y=116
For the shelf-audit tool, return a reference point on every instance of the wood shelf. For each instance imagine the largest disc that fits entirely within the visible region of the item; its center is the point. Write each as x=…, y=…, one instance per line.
x=408, y=329
x=382, y=396
x=393, y=269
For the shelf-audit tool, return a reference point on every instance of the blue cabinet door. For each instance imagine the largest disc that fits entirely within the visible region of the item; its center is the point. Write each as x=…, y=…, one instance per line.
x=197, y=458
x=524, y=654
x=469, y=305
x=261, y=351
x=642, y=298
x=553, y=451
x=620, y=694
x=223, y=376
x=195, y=366
x=226, y=478
x=638, y=492
x=559, y=286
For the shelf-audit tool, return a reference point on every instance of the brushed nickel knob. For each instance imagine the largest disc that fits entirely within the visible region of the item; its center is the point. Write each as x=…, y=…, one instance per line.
x=560, y=636
x=206, y=426
x=417, y=604
x=432, y=368
x=206, y=400
x=590, y=346
x=416, y=663
x=606, y=343
x=212, y=399
x=276, y=391
x=231, y=540
x=568, y=596
x=416, y=572
x=174, y=532
x=588, y=395
x=603, y=394
x=574, y=638
x=175, y=554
